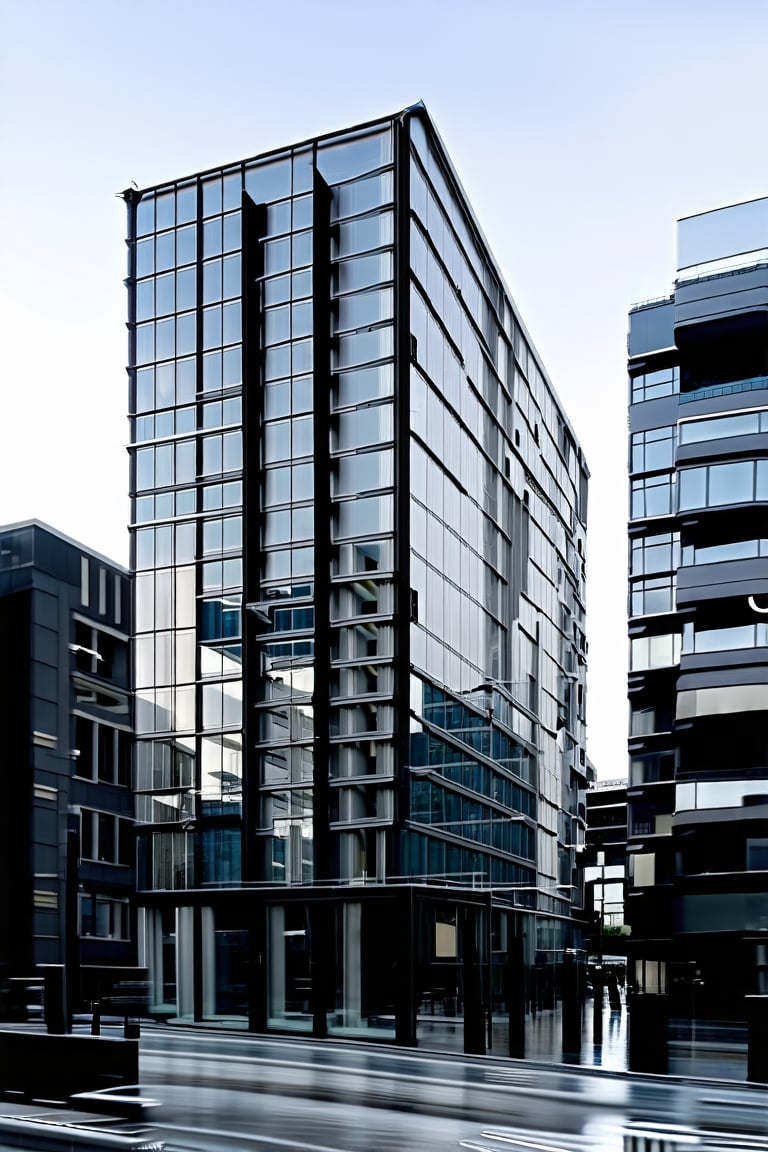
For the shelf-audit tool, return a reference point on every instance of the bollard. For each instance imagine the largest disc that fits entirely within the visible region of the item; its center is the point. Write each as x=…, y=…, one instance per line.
x=131, y=1029
x=597, y=1006
x=641, y=1136
x=572, y=1009
x=648, y=1042
x=55, y=998
x=757, y=1051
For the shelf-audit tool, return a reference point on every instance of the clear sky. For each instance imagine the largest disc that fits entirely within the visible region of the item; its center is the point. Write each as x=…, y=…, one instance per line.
x=581, y=130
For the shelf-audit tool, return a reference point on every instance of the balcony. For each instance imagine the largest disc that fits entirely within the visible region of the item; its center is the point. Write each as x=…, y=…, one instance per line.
x=711, y=391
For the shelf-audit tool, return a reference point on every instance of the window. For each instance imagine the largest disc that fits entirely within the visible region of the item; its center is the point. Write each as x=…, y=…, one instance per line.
x=739, y=482
x=652, y=385
x=724, y=639
x=648, y=652
x=742, y=424
x=648, y=597
x=657, y=553
x=106, y=837
x=653, y=496
x=105, y=918
x=653, y=450
x=717, y=553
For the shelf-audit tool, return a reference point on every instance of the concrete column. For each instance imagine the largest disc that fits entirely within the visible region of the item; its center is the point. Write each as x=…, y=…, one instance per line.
x=276, y=963
x=352, y=970
x=208, y=961
x=185, y=963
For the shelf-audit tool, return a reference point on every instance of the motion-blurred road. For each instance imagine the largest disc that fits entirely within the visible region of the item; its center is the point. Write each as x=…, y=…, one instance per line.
x=227, y=1091
x=236, y=1091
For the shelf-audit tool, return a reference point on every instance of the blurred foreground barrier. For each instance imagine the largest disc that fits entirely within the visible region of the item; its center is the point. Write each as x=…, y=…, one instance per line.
x=41, y=1135
x=41, y=1066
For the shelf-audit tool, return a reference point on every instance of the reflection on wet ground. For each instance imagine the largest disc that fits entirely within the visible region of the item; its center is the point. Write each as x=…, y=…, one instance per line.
x=709, y=1049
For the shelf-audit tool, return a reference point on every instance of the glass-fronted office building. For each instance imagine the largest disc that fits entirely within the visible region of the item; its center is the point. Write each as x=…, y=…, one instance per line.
x=698, y=680
x=358, y=525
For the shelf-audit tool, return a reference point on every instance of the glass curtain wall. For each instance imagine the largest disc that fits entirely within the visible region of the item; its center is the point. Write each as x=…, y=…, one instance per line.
x=497, y=561
x=185, y=368
x=341, y=393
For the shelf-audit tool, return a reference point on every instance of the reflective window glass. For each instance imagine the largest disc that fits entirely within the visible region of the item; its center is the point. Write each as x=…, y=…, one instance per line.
x=231, y=283
x=186, y=467
x=277, y=441
x=362, y=272
x=269, y=181
x=277, y=256
x=145, y=257
x=211, y=281
x=232, y=367
x=232, y=232
x=232, y=451
x=279, y=218
x=186, y=330
x=186, y=204
x=364, y=426
x=186, y=247
x=232, y=191
x=212, y=196
x=145, y=216
x=343, y=160
x=361, y=196
x=186, y=379
x=212, y=371
x=165, y=211
x=186, y=289
x=731, y=483
x=145, y=299
x=277, y=291
x=212, y=237
x=212, y=327
x=231, y=323
x=301, y=249
x=145, y=343
x=364, y=308
x=164, y=252
x=302, y=436
x=165, y=339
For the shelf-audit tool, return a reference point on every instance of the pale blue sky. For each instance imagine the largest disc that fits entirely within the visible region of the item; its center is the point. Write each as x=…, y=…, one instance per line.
x=580, y=130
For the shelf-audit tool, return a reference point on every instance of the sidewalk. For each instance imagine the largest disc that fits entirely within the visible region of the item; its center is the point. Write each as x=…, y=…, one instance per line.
x=709, y=1050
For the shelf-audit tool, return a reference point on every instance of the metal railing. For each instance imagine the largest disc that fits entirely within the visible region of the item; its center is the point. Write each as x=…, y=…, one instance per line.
x=708, y=392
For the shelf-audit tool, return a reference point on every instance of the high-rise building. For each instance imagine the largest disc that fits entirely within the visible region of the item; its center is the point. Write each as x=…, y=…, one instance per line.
x=359, y=541
x=698, y=680
x=66, y=823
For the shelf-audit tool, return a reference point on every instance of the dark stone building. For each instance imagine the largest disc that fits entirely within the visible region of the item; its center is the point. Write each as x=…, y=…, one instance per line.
x=698, y=681
x=66, y=822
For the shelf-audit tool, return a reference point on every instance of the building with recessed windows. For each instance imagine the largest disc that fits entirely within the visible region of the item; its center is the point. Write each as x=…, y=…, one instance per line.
x=605, y=853
x=358, y=525
x=698, y=681
x=66, y=823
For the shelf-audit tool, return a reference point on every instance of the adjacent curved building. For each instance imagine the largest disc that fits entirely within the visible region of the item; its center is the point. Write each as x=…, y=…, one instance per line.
x=698, y=601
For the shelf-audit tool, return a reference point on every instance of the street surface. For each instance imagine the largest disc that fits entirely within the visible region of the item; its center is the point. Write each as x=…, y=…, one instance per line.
x=236, y=1091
